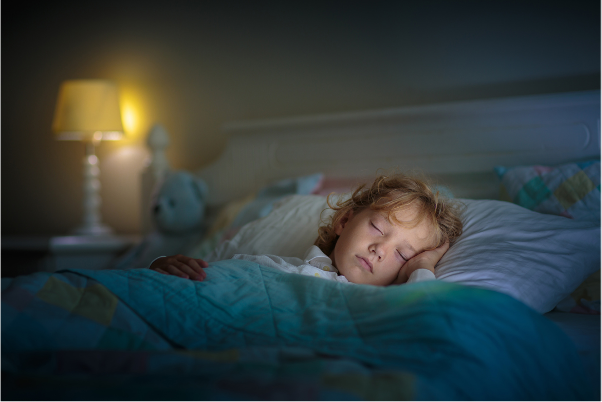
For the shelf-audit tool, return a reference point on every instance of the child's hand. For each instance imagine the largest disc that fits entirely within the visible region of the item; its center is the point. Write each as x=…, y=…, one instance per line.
x=182, y=266
x=425, y=260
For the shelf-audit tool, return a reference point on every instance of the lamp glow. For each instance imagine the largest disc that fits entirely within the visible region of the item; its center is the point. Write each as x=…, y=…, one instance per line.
x=129, y=118
x=88, y=110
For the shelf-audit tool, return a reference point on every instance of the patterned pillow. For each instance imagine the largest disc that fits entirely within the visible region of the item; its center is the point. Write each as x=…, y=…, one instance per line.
x=571, y=190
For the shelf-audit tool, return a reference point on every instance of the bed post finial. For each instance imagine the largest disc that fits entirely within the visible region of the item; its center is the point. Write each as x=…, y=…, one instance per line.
x=156, y=168
x=157, y=141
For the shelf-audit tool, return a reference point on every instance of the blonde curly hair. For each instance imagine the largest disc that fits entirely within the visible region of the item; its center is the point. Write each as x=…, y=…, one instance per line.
x=391, y=194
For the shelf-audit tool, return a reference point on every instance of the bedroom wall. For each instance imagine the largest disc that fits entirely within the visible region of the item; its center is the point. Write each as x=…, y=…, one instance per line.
x=194, y=65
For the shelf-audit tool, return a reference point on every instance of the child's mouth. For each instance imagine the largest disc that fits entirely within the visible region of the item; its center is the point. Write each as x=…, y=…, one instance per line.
x=365, y=263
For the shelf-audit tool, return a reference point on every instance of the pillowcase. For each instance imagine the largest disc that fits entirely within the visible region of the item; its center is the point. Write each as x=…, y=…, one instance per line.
x=234, y=215
x=571, y=190
x=288, y=231
x=536, y=258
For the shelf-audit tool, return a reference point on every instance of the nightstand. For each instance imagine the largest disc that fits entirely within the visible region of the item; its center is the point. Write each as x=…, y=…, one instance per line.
x=22, y=255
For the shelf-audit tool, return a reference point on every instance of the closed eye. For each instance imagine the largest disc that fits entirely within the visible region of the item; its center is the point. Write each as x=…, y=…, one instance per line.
x=401, y=255
x=374, y=226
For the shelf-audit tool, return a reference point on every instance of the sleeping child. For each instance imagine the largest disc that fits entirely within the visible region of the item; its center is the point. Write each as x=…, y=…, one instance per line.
x=390, y=233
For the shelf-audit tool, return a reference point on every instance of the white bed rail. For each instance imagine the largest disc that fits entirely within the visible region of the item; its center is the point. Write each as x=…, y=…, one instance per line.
x=458, y=143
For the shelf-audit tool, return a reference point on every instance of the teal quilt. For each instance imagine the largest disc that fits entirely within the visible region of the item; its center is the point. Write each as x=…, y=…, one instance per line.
x=254, y=333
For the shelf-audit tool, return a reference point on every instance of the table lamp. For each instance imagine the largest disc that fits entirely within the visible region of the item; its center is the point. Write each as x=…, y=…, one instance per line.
x=88, y=111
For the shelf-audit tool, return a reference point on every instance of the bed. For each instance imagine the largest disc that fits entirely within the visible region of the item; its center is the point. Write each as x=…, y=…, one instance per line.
x=515, y=314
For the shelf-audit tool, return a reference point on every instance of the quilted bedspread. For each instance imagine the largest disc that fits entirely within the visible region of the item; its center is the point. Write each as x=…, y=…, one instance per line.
x=251, y=332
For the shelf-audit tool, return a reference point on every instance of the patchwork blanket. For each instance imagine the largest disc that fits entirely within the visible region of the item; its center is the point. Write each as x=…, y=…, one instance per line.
x=251, y=332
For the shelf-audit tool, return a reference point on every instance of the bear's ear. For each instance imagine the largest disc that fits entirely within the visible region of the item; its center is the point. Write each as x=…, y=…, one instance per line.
x=199, y=188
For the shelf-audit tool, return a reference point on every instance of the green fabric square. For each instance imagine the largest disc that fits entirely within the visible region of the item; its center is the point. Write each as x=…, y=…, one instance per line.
x=60, y=294
x=97, y=304
x=573, y=189
x=94, y=302
x=532, y=194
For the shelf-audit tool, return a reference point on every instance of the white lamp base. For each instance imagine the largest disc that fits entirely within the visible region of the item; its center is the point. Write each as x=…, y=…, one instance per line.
x=92, y=225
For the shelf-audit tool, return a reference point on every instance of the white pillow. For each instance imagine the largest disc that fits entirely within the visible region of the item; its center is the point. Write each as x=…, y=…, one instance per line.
x=288, y=231
x=536, y=258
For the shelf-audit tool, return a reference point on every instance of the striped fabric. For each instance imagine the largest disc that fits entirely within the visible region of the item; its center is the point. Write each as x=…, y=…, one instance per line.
x=571, y=190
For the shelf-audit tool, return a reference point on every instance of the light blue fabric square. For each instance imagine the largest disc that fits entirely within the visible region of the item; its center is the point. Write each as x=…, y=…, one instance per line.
x=532, y=193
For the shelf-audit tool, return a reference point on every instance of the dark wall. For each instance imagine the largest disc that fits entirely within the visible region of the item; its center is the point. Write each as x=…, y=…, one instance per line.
x=194, y=65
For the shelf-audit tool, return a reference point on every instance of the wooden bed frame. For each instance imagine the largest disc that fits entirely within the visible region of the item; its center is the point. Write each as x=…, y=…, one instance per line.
x=457, y=143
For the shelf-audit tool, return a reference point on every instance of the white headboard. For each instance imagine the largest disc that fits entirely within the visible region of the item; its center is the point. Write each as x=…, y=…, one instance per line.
x=457, y=143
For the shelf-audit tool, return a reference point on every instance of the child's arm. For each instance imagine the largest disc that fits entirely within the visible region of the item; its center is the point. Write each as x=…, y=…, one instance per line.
x=182, y=266
x=425, y=260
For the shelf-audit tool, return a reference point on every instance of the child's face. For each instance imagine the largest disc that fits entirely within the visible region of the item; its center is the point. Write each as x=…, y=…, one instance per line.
x=372, y=250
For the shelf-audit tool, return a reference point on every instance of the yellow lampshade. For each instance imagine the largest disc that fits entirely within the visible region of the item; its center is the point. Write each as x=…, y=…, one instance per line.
x=88, y=110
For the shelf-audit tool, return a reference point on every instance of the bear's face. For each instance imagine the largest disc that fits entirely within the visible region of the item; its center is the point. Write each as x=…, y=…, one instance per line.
x=179, y=206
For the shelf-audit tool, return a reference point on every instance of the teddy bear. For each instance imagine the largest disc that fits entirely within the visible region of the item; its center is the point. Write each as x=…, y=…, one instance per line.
x=178, y=212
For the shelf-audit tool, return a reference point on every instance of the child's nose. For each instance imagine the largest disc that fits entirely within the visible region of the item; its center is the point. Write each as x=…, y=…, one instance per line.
x=379, y=250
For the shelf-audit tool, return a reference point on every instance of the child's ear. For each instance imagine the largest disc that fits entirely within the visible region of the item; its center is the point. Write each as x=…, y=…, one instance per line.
x=341, y=225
